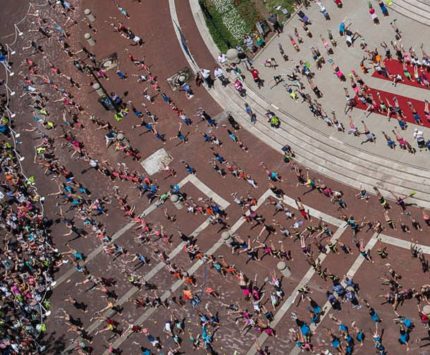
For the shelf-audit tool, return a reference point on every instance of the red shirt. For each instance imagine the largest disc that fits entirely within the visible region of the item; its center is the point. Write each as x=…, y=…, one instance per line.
x=255, y=74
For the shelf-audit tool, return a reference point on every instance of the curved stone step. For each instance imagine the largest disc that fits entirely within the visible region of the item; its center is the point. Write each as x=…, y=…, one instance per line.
x=331, y=166
x=328, y=167
x=315, y=150
x=413, y=9
x=334, y=155
x=419, y=6
x=356, y=155
x=351, y=154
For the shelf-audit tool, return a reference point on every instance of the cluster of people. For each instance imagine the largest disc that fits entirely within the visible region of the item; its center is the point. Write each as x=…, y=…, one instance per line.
x=398, y=64
x=29, y=259
x=29, y=254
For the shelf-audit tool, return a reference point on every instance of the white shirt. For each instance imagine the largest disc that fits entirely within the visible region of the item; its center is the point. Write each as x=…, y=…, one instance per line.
x=218, y=72
x=418, y=134
x=222, y=58
x=205, y=73
x=321, y=6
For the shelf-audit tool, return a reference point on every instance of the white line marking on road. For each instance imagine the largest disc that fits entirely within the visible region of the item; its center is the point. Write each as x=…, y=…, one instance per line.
x=97, y=250
x=292, y=298
x=315, y=213
x=157, y=268
x=403, y=243
x=190, y=271
x=147, y=277
x=188, y=179
x=208, y=191
x=342, y=227
x=351, y=272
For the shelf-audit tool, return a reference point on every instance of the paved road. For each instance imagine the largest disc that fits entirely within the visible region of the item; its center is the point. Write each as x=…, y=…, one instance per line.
x=347, y=59
x=161, y=51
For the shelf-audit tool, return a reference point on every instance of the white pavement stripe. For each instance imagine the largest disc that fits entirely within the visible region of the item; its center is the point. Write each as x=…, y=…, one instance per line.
x=97, y=250
x=338, y=222
x=351, y=272
x=402, y=243
x=188, y=179
x=291, y=299
x=157, y=268
x=208, y=191
x=190, y=271
x=315, y=213
x=147, y=277
x=184, y=181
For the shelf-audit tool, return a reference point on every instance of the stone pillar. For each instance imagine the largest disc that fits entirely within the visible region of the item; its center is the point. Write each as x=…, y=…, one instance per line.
x=98, y=89
x=90, y=39
x=284, y=269
x=233, y=56
x=176, y=201
x=88, y=14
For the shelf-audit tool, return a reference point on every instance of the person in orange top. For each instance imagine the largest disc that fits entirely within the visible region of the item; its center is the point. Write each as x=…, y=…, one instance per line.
x=187, y=294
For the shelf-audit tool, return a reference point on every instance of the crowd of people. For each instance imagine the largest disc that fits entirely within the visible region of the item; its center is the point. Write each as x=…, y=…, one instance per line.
x=396, y=61
x=30, y=258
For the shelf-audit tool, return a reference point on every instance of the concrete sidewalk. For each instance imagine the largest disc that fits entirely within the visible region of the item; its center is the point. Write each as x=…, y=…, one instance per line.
x=355, y=12
x=338, y=156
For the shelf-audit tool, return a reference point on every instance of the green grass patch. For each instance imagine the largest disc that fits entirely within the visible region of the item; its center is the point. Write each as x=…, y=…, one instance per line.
x=286, y=4
x=220, y=34
x=248, y=12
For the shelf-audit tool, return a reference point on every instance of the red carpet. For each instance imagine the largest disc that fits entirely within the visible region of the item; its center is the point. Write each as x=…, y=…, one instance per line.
x=393, y=66
x=419, y=106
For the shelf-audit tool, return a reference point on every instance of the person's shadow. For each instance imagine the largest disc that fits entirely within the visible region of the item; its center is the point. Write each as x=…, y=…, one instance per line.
x=427, y=338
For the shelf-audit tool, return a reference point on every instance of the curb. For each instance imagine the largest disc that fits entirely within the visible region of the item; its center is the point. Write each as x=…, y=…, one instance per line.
x=387, y=179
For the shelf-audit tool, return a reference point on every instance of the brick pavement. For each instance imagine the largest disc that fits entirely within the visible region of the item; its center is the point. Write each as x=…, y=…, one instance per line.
x=353, y=164
x=225, y=341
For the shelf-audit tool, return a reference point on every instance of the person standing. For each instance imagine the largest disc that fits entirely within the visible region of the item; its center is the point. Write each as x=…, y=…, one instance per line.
x=250, y=113
x=206, y=75
x=256, y=76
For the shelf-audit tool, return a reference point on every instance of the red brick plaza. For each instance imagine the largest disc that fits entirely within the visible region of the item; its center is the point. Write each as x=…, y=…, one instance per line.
x=247, y=262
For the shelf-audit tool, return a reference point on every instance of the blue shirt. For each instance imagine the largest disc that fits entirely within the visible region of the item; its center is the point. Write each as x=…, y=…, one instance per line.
x=335, y=343
x=407, y=323
x=305, y=329
x=343, y=327
x=374, y=316
x=404, y=337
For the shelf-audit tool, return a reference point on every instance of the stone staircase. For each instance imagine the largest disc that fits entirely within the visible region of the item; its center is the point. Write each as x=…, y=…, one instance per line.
x=418, y=10
x=331, y=158
x=314, y=149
